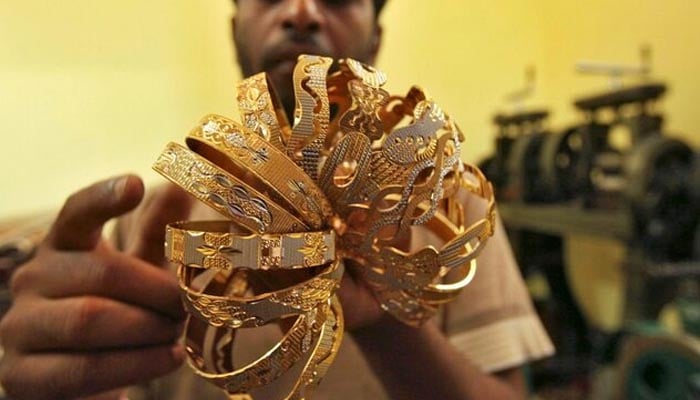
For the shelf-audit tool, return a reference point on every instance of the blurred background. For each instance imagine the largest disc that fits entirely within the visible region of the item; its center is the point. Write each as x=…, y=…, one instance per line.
x=600, y=197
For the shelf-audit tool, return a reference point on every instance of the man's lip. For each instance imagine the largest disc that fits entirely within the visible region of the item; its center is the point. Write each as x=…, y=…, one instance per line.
x=291, y=53
x=284, y=66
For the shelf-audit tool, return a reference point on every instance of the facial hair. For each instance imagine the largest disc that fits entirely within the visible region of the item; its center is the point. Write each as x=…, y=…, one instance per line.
x=284, y=85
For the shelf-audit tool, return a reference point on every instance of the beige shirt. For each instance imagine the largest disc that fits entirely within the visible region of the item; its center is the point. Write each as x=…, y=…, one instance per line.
x=492, y=323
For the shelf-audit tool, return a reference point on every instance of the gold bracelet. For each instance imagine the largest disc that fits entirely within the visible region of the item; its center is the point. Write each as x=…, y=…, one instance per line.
x=210, y=348
x=204, y=341
x=383, y=168
x=323, y=354
x=409, y=285
x=311, y=114
x=261, y=110
x=321, y=334
x=220, y=309
x=210, y=244
x=391, y=165
x=266, y=168
x=225, y=193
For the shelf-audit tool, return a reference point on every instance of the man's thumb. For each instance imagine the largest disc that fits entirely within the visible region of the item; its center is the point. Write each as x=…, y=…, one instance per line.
x=79, y=224
x=167, y=204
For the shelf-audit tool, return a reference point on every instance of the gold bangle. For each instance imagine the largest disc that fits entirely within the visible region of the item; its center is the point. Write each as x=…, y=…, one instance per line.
x=220, y=309
x=261, y=110
x=394, y=165
x=218, y=366
x=266, y=168
x=311, y=114
x=210, y=244
x=385, y=167
x=223, y=192
x=320, y=333
x=409, y=286
x=323, y=354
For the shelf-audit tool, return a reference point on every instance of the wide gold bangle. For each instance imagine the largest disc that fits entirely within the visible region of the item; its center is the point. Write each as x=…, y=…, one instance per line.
x=262, y=112
x=224, y=192
x=323, y=354
x=214, y=244
x=265, y=167
x=312, y=114
x=218, y=308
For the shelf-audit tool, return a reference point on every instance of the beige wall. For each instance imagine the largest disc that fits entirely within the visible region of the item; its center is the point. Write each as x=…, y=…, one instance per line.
x=614, y=31
x=94, y=88
x=91, y=89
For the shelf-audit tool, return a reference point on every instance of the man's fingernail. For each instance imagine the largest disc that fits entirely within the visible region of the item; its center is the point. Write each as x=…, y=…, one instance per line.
x=118, y=185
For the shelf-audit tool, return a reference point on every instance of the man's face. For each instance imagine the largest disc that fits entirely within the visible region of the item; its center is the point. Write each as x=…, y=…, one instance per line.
x=270, y=34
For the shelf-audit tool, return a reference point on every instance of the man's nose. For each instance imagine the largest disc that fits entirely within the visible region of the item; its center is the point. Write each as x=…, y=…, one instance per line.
x=302, y=16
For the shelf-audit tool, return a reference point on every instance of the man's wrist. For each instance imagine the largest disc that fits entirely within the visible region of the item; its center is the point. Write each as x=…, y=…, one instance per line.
x=385, y=328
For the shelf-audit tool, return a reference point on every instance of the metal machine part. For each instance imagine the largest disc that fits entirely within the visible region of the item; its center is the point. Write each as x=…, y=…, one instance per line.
x=522, y=170
x=565, y=161
x=513, y=169
x=657, y=174
x=658, y=367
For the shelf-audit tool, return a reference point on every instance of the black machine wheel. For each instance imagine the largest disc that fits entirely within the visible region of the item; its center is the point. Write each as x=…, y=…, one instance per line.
x=565, y=162
x=658, y=172
x=522, y=170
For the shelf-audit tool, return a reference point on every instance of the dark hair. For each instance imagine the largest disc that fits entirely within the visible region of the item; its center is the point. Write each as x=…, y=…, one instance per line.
x=378, y=6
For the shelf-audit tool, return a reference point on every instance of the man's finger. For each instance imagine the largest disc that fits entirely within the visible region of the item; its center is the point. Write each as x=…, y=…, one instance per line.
x=79, y=224
x=84, y=323
x=119, y=394
x=67, y=376
x=112, y=275
x=169, y=204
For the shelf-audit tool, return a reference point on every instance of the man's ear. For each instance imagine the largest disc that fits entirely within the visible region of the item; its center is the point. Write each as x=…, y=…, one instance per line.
x=376, y=41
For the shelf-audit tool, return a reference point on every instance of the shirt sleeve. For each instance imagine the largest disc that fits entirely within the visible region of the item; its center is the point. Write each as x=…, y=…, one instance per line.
x=493, y=322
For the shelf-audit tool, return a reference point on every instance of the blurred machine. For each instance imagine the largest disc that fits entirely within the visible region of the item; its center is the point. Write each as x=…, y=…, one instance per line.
x=617, y=174
x=19, y=238
x=659, y=367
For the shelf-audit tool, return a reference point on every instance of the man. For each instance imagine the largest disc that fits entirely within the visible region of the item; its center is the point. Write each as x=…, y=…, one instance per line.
x=90, y=318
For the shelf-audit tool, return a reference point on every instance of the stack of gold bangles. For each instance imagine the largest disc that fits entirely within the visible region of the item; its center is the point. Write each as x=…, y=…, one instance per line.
x=358, y=173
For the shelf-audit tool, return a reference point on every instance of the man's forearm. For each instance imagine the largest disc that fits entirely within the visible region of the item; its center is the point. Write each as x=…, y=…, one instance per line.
x=420, y=364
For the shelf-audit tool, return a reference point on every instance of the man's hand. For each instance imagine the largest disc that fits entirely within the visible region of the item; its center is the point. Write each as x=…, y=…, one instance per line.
x=87, y=318
x=360, y=307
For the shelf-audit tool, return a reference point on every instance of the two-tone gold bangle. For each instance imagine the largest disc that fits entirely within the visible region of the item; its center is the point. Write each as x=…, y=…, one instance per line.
x=410, y=285
x=318, y=333
x=210, y=347
x=224, y=192
x=265, y=167
x=294, y=344
x=261, y=110
x=222, y=309
x=312, y=113
x=214, y=244
x=323, y=354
